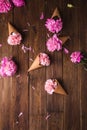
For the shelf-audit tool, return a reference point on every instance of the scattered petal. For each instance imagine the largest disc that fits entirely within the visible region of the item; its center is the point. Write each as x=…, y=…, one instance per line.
x=25, y=49
x=42, y=16
x=18, y=76
x=66, y=51
x=31, y=59
x=21, y=113
x=33, y=51
x=48, y=115
x=70, y=5
x=48, y=35
x=17, y=122
x=0, y=45
x=28, y=24
x=33, y=87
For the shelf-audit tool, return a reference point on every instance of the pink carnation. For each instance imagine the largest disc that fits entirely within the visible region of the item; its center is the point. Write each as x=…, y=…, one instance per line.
x=8, y=67
x=14, y=39
x=76, y=57
x=5, y=6
x=50, y=85
x=18, y=3
x=54, y=26
x=54, y=43
x=44, y=59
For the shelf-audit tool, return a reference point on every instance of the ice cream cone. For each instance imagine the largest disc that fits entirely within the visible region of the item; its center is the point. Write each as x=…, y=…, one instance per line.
x=60, y=90
x=35, y=64
x=64, y=39
x=56, y=13
x=11, y=29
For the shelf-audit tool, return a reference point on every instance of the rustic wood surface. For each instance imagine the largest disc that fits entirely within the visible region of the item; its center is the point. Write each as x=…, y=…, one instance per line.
x=25, y=93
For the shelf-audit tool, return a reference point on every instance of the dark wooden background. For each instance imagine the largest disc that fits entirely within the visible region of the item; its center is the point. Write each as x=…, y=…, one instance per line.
x=17, y=93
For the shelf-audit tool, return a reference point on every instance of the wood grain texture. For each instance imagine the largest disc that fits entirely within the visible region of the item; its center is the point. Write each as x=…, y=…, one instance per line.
x=25, y=92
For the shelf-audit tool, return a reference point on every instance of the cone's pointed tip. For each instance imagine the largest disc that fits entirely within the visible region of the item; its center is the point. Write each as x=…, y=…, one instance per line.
x=56, y=13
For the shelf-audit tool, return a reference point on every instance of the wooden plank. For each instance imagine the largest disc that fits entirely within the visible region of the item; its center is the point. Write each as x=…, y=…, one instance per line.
x=5, y=83
x=55, y=105
x=20, y=84
x=37, y=97
x=70, y=70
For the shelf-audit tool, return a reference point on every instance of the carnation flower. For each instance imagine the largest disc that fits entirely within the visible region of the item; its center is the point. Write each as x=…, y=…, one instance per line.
x=76, y=57
x=14, y=39
x=50, y=85
x=44, y=59
x=18, y=3
x=8, y=67
x=53, y=25
x=5, y=6
x=79, y=57
x=54, y=43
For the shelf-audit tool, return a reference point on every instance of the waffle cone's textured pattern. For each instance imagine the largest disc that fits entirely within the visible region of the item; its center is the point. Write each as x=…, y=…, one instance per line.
x=64, y=39
x=35, y=64
x=60, y=90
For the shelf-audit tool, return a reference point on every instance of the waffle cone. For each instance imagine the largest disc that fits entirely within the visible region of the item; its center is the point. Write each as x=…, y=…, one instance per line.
x=60, y=90
x=35, y=64
x=56, y=13
x=11, y=29
x=64, y=39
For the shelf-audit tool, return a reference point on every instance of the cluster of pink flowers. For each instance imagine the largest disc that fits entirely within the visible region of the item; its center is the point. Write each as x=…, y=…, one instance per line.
x=44, y=59
x=6, y=5
x=8, y=67
x=14, y=39
x=50, y=85
x=54, y=43
x=53, y=25
x=76, y=57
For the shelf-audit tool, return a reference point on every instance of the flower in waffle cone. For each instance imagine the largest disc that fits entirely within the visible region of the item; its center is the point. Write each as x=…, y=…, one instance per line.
x=59, y=89
x=53, y=86
x=41, y=60
x=14, y=37
x=35, y=64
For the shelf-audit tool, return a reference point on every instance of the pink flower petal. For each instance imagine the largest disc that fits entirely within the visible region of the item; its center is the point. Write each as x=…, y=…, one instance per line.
x=31, y=59
x=28, y=24
x=48, y=35
x=18, y=76
x=25, y=49
x=66, y=51
x=33, y=87
x=0, y=45
x=20, y=114
x=47, y=116
x=42, y=16
x=17, y=122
